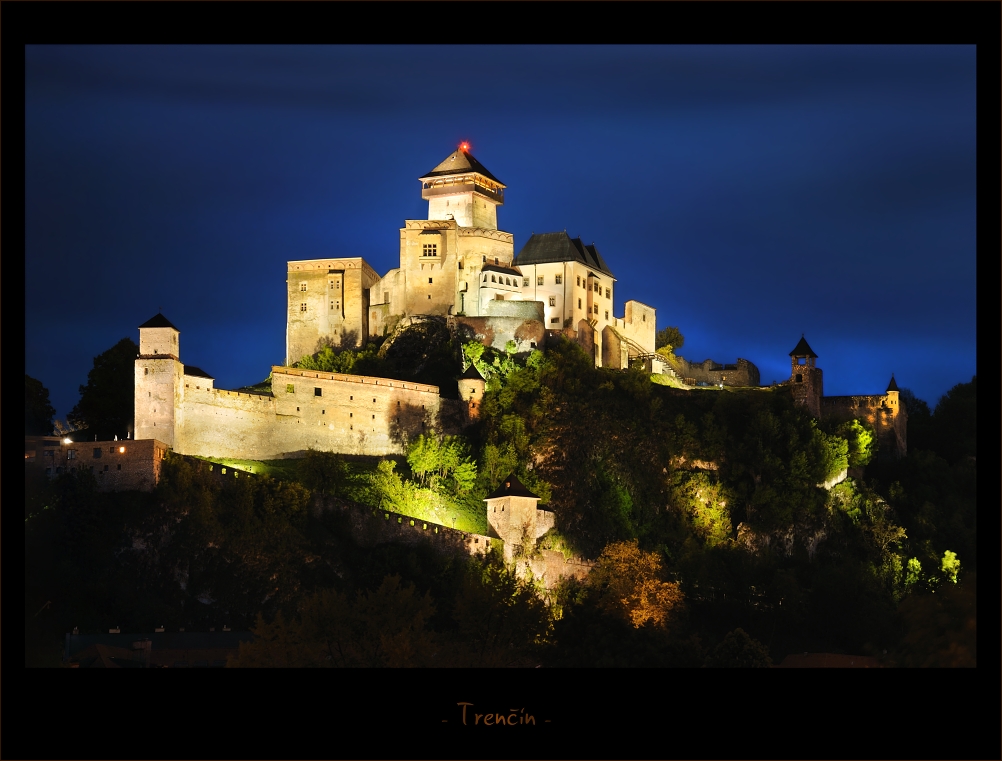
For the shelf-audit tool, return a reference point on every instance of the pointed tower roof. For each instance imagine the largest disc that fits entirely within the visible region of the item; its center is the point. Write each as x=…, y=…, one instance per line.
x=511, y=487
x=158, y=321
x=892, y=386
x=460, y=161
x=471, y=373
x=542, y=248
x=802, y=349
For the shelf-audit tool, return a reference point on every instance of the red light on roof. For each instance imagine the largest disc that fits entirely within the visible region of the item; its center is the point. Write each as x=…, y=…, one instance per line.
x=464, y=147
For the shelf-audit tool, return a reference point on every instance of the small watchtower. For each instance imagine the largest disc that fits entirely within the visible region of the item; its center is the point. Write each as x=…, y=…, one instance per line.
x=471, y=391
x=805, y=377
x=514, y=517
x=159, y=381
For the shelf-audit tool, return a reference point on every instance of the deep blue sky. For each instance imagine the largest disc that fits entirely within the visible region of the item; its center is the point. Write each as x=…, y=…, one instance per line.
x=748, y=193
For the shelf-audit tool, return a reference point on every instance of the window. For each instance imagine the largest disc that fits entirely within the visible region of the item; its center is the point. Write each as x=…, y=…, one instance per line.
x=800, y=378
x=332, y=306
x=493, y=279
x=97, y=452
x=460, y=265
x=596, y=309
x=302, y=286
x=485, y=260
x=71, y=454
x=106, y=467
x=579, y=281
x=317, y=391
x=801, y=360
x=525, y=282
x=496, y=260
x=119, y=466
x=429, y=297
x=146, y=371
x=323, y=412
x=607, y=293
x=553, y=301
x=302, y=307
x=579, y=303
x=429, y=281
x=429, y=249
x=539, y=280
x=643, y=318
x=558, y=279
x=554, y=319
x=607, y=314
x=507, y=281
x=485, y=278
x=373, y=400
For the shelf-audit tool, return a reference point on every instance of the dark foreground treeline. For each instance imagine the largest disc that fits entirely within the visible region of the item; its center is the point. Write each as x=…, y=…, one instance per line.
x=715, y=544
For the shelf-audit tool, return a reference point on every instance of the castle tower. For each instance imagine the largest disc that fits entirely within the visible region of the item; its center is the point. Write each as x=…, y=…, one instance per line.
x=899, y=417
x=442, y=258
x=805, y=377
x=461, y=188
x=159, y=382
x=471, y=391
x=514, y=517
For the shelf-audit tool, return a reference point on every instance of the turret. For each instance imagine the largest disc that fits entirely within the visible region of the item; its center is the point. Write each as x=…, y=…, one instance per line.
x=461, y=188
x=514, y=517
x=471, y=391
x=805, y=377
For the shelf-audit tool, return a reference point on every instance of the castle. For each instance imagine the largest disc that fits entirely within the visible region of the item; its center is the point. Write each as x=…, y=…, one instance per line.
x=456, y=265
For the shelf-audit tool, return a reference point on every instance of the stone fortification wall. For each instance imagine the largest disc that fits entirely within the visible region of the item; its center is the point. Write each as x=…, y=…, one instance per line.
x=341, y=413
x=743, y=373
x=122, y=465
x=888, y=421
x=551, y=567
x=638, y=325
x=527, y=333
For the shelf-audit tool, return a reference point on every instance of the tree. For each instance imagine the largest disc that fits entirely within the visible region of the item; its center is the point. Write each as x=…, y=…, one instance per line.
x=38, y=411
x=670, y=336
x=324, y=472
x=955, y=422
x=629, y=585
x=107, y=405
x=738, y=650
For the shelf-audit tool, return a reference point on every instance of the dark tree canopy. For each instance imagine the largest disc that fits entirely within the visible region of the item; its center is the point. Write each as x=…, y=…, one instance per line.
x=38, y=411
x=670, y=336
x=107, y=403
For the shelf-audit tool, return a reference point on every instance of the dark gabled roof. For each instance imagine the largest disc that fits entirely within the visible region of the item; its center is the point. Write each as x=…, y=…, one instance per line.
x=158, y=321
x=197, y=372
x=542, y=248
x=471, y=373
x=460, y=162
x=511, y=487
x=802, y=349
x=892, y=386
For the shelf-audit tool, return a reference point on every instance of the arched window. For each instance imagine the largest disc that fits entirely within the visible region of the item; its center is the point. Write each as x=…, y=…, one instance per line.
x=485, y=278
x=493, y=279
x=507, y=281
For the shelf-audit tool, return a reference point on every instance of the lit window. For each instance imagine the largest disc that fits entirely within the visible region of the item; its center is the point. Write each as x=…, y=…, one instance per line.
x=539, y=280
x=429, y=249
x=553, y=301
x=558, y=279
x=71, y=454
x=302, y=286
x=302, y=307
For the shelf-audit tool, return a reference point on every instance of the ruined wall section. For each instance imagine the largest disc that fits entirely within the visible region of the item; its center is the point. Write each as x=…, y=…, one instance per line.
x=742, y=373
x=881, y=411
x=528, y=333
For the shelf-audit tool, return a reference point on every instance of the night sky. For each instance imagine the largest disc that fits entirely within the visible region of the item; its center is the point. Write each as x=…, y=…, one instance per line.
x=750, y=194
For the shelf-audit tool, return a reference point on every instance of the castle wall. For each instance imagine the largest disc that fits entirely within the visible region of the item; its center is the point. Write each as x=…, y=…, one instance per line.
x=123, y=465
x=638, y=325
x=352, y=414
x=743, y=373
x=527, y=332
x=881, y=411
x=158, y=392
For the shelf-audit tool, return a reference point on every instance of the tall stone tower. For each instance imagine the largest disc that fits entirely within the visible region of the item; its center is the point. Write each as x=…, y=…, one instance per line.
x=159, y=381
x=805, y=377
x=471, y=391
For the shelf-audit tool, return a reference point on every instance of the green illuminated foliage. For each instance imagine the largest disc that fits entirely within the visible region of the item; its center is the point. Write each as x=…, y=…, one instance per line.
x=950, y=566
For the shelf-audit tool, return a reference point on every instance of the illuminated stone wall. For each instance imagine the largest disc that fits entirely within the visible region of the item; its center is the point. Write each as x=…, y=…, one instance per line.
x=885, y=414
x=743, y=373
x=352, y=414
